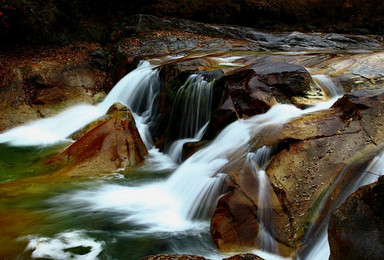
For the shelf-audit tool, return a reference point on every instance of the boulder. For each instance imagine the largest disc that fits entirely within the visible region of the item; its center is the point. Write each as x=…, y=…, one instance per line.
x=173, y=257
x=109, y=144
x=315, y=157
x=253, y=89
x=356, y=228
x=39, y=86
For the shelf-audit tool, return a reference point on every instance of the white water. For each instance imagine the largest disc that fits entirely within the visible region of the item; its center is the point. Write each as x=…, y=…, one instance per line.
x=190, y=115
x=332, y=87
x=137, y=90
x=258, y=162
x=187, y=198
x=57, y=248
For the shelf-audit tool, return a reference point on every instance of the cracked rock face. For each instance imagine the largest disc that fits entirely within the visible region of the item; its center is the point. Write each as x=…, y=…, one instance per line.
x=316, y=156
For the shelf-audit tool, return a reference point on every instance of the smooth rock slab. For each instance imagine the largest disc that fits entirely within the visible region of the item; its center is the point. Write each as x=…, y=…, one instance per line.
x=356, y=228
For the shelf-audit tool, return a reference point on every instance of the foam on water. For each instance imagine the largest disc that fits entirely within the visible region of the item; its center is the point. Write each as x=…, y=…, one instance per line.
x=59, y=247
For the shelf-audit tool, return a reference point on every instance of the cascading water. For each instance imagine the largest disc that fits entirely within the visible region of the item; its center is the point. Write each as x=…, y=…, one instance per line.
x=258, y=162
x=331, y=87
x=186, y=199
x=137, y=90
x=190, y=115
x=188, y=196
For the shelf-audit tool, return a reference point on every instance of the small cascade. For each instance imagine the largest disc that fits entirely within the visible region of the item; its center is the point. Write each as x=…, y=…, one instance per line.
x=193, y=180
x=331, y=87
x=137, y=90
x=258, y=162
x=190, y=114
x=187, y=199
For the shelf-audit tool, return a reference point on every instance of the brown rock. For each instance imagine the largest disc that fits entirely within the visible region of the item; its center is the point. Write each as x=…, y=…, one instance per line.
x=113, y=144
x=253, y=89
x=315, y=157
x=356, y=228
x=42, y=87
x=173, y=257
x=244, y=257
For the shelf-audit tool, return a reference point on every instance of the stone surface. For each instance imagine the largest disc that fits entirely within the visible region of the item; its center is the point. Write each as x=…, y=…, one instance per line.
x=315, y=157
x=244, y=257
x=206, y=37
x=255, y=88
x=356, y=228
x=112, y=144
x=41, y=86
x=173, y=257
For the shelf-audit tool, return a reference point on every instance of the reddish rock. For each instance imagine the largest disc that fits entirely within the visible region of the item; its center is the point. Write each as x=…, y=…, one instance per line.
x=113, y=144
x=356, y=228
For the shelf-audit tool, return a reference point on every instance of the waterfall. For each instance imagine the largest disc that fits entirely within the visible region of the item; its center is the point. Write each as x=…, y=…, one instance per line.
x=186, y=200
x=137, y=90
x=258, y=162
x=190, y=115
x=331, y=87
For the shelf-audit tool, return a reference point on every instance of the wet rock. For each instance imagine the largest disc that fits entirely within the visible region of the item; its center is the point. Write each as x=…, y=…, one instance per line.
x=173, y=257
x=312, y=167
x=253, y=89
x=109, y=144
x=41, y=87
x=192, y=147
x=315, y=157
x=244, y=257
x=235, y=223
x=356, y=228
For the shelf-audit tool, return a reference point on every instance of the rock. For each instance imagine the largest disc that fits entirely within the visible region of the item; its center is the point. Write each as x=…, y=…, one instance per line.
x=356, y=228
x=167, y=39
x=315, y=157
x=40, y=87
x=110, y=143
x=192, y=147
x=244, y=257
x=193, y=257
x=173, y=257
x=253, y=89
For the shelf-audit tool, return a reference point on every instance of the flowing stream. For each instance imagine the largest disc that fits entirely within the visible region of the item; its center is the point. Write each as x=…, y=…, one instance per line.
x=161, y=207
